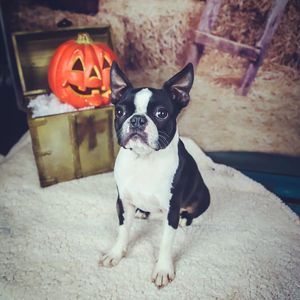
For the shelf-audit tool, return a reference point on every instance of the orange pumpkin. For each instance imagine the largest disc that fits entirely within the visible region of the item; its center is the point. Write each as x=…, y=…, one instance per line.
x=79, y=72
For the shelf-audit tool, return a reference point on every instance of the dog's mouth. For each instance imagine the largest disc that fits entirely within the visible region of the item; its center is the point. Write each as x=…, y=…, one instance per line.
x=135, y=140
x=137, y=136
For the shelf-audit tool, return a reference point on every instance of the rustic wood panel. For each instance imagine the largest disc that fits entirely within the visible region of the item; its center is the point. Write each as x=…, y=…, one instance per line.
x=271, y=26
x=207, y=20
x=209, y=15
x=225, y=45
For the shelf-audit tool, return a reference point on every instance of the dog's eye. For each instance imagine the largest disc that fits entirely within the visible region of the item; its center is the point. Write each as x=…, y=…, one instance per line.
x=119, y=112
x=161, y=113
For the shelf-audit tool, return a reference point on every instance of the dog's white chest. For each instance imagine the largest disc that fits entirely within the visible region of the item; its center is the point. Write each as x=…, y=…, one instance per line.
x=146, y=182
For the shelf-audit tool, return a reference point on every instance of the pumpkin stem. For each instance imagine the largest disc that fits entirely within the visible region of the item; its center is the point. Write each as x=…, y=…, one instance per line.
x=84, y=38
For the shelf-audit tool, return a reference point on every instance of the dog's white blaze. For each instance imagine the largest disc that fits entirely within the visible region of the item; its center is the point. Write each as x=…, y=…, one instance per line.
x=141, y=101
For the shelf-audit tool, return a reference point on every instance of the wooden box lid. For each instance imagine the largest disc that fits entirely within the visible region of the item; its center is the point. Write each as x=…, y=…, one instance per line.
x=33, y=52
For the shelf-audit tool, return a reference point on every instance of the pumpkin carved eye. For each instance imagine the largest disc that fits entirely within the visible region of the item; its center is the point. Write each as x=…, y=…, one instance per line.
x=105, y=64
x=78, y=66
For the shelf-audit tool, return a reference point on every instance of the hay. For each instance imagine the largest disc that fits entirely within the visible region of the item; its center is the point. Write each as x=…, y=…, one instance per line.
x=155, y=33
x=145, y=35
x=220, y=120
x=149, y=37
x=244, y=21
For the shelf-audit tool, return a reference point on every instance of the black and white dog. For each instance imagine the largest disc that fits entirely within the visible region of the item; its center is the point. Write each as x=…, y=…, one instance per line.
x=154, y=171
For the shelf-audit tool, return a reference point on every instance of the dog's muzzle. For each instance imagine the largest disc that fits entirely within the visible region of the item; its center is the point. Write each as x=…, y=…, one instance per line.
x=137, y=125
x=139, y=134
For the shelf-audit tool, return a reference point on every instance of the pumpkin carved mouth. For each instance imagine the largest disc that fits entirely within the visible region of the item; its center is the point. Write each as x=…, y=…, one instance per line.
x=87, y=92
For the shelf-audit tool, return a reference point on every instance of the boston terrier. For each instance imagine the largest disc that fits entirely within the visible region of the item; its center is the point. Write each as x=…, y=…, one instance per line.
x=153, y=171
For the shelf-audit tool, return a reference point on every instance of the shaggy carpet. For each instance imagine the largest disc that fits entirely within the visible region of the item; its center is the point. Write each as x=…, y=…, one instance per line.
x=246, y=246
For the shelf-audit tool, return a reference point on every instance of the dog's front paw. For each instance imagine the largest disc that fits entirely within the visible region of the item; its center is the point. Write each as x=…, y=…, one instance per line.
x=163, y=273
x=112, y=258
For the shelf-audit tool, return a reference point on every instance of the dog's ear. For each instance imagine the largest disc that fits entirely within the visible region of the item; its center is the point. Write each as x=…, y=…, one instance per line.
x=180, y=85
x=119, y=83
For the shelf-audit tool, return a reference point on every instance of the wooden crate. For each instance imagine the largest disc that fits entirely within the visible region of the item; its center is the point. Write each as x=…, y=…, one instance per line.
x=69, y=145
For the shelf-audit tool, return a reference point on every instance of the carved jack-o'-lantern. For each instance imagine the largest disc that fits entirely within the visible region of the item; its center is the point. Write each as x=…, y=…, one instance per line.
x=79, y=72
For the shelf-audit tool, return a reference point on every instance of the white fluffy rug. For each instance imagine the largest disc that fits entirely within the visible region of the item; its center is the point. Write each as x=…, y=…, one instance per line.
x=246, y=246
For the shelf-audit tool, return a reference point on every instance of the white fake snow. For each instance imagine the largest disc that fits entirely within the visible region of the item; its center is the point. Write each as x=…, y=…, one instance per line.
x=45, y=105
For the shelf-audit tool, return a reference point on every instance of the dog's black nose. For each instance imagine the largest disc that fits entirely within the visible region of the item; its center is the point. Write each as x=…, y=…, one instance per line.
x=138, y=122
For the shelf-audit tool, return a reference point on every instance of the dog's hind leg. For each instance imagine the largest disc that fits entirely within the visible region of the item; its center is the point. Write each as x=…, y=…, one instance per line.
x=194, y=210
x=186, y=219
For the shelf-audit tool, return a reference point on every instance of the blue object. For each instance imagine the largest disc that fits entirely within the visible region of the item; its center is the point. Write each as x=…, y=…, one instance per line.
x=280, y=174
